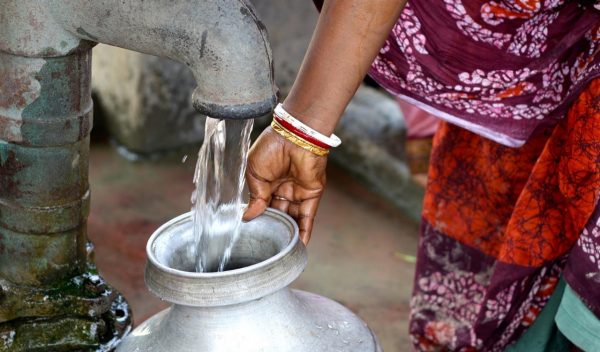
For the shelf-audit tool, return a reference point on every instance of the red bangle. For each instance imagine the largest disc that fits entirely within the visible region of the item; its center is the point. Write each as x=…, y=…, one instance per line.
x=299, y=133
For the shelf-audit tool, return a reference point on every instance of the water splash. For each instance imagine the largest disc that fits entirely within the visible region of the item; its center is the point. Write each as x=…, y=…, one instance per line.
x=217, y=200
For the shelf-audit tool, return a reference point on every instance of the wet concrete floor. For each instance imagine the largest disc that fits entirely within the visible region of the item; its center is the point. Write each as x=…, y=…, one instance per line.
x=361, y=253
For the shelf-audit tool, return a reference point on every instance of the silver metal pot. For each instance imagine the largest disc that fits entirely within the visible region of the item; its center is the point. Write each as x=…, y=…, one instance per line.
x=249, y=307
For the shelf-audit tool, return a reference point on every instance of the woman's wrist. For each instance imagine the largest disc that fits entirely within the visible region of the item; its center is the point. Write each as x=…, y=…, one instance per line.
x=288, y=121
x=314, y=117
x=300, y=134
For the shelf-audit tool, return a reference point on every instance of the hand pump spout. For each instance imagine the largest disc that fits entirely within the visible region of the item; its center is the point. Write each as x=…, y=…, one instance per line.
x=223, y=43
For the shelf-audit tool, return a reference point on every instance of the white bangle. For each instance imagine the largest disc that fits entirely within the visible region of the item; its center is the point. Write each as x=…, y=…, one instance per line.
x=332, y=141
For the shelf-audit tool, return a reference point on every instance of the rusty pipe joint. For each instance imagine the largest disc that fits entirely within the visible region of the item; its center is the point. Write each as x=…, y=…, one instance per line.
x=222, y=42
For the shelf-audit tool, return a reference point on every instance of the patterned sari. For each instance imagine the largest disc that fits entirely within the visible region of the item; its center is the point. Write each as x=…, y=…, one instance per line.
x=514, y=182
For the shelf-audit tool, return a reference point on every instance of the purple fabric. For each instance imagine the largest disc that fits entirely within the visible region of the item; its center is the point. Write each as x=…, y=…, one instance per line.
x=453, y=304
x=582, y=272
x=499, y=76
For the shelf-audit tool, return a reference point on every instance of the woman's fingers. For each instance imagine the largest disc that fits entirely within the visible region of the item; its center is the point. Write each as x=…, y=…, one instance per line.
x=280, y=204
x=282, y=197
x=256, y=206
x=306, y=224
x=260, y=195
x=306, y=218
x=294, y=210
x=304, y=214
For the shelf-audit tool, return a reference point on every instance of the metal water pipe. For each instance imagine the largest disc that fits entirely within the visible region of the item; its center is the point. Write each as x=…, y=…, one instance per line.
x=50, y=293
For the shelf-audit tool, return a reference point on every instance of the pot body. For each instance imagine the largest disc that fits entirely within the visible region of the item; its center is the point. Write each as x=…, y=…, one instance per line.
x=288, y=320
x=247, y=309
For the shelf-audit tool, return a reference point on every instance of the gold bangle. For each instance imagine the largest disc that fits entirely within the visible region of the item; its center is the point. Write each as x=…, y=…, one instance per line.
x=304, y=144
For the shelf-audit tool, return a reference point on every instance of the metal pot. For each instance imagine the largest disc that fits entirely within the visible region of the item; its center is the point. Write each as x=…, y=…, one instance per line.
x=247, y=308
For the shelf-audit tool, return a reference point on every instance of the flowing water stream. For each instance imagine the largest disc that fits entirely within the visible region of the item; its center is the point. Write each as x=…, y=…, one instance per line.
x=217, y=200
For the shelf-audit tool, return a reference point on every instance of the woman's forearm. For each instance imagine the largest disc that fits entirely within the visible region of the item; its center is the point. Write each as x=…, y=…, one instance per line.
x=347, y=38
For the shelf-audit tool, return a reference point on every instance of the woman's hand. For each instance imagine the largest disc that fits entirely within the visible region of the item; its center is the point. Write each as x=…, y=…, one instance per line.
x=286, y=177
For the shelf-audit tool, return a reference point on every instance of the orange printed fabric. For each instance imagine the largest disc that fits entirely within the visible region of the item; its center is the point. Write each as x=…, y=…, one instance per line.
x=524, y=206
x=501, y=226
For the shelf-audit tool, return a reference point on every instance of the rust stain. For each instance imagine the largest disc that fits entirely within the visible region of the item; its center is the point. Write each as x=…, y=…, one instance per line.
x=34, y=23
x=84, y=127
x=9, y=168
x=10, y=130
x=12, y=89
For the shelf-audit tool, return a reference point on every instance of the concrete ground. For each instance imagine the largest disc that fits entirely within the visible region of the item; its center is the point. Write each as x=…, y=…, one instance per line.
x=362, y=252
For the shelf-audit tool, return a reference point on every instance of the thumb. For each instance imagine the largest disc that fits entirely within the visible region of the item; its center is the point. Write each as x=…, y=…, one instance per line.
x=260, y=196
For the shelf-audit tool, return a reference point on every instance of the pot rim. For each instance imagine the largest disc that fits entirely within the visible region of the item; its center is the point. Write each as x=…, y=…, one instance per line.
x=226, y=287
x=189, y=274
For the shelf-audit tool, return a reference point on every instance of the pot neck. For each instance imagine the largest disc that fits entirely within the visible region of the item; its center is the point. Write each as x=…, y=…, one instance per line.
x=235, y=286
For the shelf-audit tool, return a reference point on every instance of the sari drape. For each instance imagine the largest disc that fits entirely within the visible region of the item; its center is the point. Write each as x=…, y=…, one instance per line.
x=512, y=197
